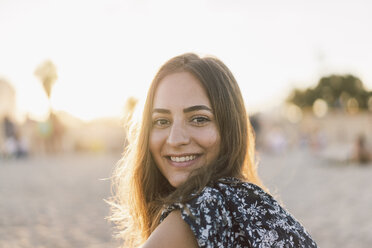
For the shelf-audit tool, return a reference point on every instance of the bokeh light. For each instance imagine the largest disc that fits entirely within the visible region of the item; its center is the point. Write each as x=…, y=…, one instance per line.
x=320, y=107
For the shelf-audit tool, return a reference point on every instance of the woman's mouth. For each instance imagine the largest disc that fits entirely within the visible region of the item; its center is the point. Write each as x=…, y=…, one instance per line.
x=183, y=161
x=182, y=158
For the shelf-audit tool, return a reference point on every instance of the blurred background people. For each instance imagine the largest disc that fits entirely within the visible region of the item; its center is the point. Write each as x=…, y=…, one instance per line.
x=13, y=143
x=361, y=153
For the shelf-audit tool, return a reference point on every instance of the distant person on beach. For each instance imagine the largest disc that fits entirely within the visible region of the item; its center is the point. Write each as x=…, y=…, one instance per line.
x=188, y=177
x=361, y=154
x=13, y=144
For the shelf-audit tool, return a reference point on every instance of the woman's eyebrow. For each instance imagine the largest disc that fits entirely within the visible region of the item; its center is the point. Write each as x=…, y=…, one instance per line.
x=161, y=111
x=197, y=107
x=186, y=110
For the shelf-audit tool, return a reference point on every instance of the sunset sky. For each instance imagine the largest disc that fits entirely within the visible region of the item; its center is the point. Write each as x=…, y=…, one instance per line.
x=106, y=51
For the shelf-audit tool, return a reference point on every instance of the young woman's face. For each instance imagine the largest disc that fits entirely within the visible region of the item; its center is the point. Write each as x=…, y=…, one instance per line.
x=184, y=134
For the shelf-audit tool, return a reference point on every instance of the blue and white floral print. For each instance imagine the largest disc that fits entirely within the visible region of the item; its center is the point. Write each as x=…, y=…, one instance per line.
x=232, y=213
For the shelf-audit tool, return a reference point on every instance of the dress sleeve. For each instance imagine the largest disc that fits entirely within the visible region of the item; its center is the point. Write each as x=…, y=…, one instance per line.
x=208, y=217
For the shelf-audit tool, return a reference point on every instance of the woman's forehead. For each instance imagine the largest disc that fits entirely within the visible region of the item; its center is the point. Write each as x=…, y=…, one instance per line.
x=180, y=89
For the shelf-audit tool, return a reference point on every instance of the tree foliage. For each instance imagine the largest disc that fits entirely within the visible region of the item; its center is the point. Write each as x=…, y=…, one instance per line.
x=47, y=73
x=335, y=90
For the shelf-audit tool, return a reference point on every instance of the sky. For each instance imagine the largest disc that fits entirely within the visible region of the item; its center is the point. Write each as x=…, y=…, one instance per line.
x=107, y=51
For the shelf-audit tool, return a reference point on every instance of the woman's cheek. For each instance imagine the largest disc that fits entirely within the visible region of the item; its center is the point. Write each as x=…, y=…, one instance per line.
x=208, y=137
x=157, y=139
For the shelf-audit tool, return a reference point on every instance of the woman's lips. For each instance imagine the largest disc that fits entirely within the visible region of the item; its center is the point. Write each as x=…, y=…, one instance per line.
x=182, y=158
x=183, y=161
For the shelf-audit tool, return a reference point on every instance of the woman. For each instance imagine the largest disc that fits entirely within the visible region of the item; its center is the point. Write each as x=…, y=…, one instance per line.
x=188, y=179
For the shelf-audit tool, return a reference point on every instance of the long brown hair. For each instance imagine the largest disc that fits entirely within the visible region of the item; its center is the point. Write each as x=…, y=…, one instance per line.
x=140, y=190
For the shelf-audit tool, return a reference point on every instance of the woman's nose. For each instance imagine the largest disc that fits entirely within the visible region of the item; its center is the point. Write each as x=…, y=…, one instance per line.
x=178, y=135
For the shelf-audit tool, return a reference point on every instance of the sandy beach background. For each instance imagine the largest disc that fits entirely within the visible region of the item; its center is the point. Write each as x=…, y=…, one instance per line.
x=57, y=201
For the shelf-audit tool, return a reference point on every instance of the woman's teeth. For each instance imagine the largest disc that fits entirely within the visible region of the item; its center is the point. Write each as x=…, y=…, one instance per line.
x=183, y=159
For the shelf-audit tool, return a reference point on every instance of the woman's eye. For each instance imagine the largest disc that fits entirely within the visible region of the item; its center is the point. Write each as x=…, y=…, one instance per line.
x=199, y=120
x=161, y=122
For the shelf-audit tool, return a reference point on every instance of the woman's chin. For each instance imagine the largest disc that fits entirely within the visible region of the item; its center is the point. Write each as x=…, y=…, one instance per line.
x=176, y=184
x=177, y=181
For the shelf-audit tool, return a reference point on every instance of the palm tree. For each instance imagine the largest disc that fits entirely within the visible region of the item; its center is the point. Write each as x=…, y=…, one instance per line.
x=47, y=73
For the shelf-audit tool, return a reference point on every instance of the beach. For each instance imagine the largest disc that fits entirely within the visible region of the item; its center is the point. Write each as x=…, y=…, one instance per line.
x=331, y=199
x=58, y=201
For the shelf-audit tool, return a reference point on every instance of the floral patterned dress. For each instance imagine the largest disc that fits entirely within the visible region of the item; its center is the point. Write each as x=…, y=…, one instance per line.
x=232, y=213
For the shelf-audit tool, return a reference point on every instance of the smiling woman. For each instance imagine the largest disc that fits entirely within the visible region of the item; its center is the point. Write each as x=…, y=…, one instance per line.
x=189, y=178
x=185, y=135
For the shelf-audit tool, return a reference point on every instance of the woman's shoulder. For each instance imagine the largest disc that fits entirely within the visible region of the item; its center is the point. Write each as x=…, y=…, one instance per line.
x=207, y=215
x=227, y=184
x=233, y=190
x=220, y=197
x=223, y=191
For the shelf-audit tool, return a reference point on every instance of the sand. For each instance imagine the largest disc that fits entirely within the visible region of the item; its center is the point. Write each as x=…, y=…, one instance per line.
x=332, y=200
x=57, y=201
